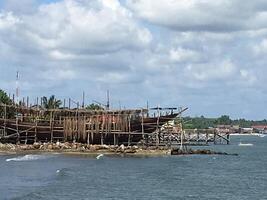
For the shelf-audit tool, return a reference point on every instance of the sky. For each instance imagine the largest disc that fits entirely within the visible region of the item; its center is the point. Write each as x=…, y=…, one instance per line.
x=207, y=55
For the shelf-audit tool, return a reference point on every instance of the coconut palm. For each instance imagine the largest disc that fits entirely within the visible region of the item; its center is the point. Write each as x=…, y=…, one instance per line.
x=4, y=99
x=94, y=107
x=51, y=103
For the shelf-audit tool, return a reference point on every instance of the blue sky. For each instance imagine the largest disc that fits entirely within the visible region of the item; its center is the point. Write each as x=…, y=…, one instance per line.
x=204, y=54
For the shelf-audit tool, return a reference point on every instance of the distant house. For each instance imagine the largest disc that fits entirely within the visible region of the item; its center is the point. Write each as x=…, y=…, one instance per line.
x=259, y=128
x=228, y=128
x=246, y=130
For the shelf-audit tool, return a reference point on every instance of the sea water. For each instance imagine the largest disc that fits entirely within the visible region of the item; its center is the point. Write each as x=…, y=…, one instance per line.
x=59, y=176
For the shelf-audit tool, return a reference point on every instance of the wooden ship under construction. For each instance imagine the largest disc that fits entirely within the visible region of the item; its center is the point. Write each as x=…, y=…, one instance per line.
x=29, y=124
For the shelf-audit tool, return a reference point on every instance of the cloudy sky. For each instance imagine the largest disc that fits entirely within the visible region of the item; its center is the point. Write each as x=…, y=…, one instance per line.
x=205, y=54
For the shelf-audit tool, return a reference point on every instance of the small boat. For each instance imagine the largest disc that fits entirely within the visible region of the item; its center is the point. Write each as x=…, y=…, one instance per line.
x=259, y=134
x=245, y=144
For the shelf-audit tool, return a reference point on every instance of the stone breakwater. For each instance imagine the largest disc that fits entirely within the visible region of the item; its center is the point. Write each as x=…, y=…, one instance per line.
x=82, y=148
x=79, y=148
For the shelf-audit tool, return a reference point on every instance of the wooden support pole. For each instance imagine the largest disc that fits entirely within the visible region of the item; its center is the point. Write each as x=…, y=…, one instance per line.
x=88, y=138
x=129, y=130
x=83, y=99
x=214, y=137
x=27, y=102
x=157, y=130
x=35, y=130
x=114, y=139
x=102, y=139
x=51, y=126
x=142, y=115
x=26, y=138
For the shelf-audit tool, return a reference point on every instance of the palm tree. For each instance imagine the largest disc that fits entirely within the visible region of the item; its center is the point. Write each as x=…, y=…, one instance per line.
x=51, y=103
x=4, y=99
x=94, y=107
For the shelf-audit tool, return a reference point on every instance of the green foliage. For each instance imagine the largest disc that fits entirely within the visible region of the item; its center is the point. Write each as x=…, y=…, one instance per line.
x=4, y=99
x=223, y=120
x=51, y=103
x=198, y=122
x=94, y=107
x=203, y=123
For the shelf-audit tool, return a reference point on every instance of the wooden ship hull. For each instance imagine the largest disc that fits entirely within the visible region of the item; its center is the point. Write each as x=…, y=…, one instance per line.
x=100, y=127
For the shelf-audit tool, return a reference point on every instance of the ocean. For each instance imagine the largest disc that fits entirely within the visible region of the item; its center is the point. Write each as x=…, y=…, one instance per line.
x=57, y=176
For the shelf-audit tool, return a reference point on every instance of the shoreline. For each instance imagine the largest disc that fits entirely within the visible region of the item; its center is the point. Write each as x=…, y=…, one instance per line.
x=81, y=149
x=245, y=134
x=96, y=150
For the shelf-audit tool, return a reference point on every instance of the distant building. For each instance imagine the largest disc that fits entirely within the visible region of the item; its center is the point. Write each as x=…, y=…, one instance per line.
x=259, y=128
x=246, y=130
x=228, y=128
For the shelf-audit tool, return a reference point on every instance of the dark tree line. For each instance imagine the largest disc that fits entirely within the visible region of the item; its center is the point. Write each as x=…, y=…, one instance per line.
x=203, y=122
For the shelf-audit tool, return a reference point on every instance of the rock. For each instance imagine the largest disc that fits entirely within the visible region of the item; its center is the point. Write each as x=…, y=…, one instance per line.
x=130, y=151
x=50, y=147
x=11, y=146
x=36, y=145
x=104, y=147
x=121, y=148
x=65, y=145
x=78, y=145
x=56, y=147
x=74, y=146
x=92, y=148
x=82, y=149
x=135, y=147
x=169, y=152
x=2, y=146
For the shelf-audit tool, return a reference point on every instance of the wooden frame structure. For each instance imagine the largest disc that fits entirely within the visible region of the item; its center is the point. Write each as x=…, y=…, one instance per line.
x=113, y=127
x=24, y=124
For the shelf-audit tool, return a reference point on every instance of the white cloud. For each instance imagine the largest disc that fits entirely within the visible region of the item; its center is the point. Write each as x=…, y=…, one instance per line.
x=208, y=46
x=58, y=74
x=248, y=77
x=181, y=55
x=8, y=20
x=222, y=70
x=260, y=48
x=202, y=15
x=79, y=28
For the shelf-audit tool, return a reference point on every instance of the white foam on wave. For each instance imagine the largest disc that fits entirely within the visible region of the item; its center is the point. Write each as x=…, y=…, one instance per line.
x=245, y=144
x=99, y=156
x=28, y=157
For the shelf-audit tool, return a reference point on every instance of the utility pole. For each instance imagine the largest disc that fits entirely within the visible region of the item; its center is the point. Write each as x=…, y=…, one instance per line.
x=108, y=105
x=17, y=87
x=83, y=100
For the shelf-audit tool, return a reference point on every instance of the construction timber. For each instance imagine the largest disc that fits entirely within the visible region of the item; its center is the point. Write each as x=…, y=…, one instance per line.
x=112, y=127
x=27, y=125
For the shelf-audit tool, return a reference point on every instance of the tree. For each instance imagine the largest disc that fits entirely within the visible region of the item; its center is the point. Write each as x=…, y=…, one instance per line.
x=4, y=99
x=224, y=120
x=51, y=103
x=94, y=107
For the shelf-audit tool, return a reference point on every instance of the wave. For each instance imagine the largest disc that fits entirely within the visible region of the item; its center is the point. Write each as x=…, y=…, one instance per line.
x=28, y=157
